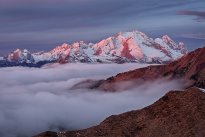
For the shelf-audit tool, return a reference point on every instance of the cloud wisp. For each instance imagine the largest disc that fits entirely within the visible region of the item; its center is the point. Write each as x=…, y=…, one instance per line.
x=34, y=100
x=200, y=15
x=200, y=36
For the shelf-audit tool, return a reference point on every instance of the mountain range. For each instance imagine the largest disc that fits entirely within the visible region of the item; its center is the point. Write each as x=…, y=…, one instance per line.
x=125, y=47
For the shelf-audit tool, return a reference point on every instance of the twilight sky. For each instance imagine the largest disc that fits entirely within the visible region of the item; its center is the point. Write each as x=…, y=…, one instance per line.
x=44, y=24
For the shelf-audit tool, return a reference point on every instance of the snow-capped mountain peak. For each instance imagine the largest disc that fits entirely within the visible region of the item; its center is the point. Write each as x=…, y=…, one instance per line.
x=167, y=39
x=133, y=46
x=173, y=45
x=60, y=49
x=20, y=56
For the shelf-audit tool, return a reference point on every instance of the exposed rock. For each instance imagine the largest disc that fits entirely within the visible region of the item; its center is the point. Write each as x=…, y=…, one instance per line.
x=177, y=114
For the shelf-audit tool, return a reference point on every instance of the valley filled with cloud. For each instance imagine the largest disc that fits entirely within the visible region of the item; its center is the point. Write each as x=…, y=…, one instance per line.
x=33, y=100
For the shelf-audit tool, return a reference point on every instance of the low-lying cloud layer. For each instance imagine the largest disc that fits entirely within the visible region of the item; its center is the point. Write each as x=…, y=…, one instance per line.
x=34, y=100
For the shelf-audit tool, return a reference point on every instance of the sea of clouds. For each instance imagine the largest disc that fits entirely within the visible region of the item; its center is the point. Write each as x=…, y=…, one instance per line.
x=33, y=100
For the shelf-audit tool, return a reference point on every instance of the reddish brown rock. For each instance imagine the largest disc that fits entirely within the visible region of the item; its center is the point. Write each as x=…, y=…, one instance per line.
x=177, y=114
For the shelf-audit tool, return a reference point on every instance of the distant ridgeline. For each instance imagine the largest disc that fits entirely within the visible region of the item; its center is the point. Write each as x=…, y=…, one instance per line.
x=124, y=47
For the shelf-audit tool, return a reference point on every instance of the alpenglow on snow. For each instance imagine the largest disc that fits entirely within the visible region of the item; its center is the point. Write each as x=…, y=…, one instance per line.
x=124, y=47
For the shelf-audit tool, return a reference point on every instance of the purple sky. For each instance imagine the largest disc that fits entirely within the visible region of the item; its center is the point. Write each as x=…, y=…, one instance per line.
x=44, y=24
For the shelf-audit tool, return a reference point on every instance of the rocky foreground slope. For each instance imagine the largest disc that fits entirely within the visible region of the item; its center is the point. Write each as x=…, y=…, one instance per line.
x=124, y=47
x=177, y=114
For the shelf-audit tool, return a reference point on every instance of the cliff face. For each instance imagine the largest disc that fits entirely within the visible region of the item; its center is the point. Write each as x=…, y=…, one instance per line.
x=178, y=113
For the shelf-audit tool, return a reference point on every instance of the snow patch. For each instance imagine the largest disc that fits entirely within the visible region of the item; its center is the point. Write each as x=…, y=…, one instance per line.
x=203, y=90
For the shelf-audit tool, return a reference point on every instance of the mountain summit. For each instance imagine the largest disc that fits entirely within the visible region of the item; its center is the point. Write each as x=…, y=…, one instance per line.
x=124, y=47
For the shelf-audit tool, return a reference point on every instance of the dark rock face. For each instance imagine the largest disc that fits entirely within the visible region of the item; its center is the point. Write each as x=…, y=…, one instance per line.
x=4, y=63
x=190, y=67
x=48, y=134
x=177, y=114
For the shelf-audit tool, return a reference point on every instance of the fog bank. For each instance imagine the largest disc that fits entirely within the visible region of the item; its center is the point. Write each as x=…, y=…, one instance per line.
x=33, y=100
